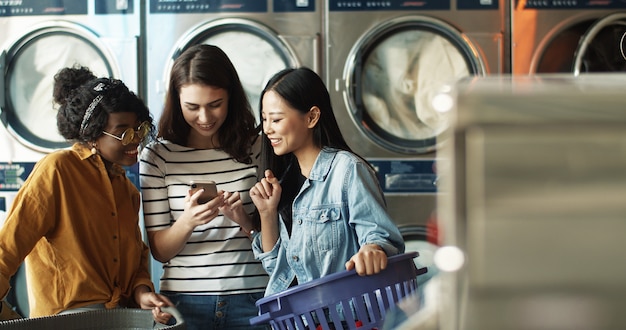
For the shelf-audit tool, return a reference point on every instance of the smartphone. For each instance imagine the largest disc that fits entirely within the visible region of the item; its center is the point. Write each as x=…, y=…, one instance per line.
x=210, y=190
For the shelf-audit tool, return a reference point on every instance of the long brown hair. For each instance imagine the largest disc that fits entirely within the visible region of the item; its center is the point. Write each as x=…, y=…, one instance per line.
x=209, y=65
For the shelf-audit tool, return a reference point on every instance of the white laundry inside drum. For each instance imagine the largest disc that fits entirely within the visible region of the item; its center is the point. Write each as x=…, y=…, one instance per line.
x=402, y=75
x=32, y=80
x=255, y=59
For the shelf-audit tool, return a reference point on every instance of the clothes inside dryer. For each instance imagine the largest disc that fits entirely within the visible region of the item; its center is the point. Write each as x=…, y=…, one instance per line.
x=392, y=75
x=30, y=88
x=401, y=76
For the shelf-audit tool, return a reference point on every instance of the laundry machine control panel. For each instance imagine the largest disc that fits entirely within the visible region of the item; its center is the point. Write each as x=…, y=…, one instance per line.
x=349, y=5
x=13, y=175
x=29, y=8
x=572, y=4
x=402, y=176
x=356, y=5
x=207, y=6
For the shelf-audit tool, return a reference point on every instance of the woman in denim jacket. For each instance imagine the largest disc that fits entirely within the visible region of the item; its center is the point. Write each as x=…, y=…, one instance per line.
x=321, y=207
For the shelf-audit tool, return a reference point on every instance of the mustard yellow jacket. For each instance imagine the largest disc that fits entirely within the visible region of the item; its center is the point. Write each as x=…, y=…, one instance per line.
x=79, y=232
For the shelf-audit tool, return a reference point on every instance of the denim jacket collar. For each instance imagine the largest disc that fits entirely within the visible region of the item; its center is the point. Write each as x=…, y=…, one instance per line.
x=323, y=164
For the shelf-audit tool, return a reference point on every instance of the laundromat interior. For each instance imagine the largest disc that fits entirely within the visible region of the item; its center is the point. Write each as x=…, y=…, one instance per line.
x=497, y=128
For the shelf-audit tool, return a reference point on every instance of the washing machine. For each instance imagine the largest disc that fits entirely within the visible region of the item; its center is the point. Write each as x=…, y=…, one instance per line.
x=261, y=37
x=551, y=36
x=40, y=37
x=386, y=62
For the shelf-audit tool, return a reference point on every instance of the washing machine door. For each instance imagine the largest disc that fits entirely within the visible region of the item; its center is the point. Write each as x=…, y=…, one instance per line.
x=393, y=73
x=256, y=51
x=601, y=49
x=31, y=62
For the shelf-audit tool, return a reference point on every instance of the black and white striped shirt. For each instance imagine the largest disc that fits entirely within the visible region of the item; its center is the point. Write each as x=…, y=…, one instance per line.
x=217, y=259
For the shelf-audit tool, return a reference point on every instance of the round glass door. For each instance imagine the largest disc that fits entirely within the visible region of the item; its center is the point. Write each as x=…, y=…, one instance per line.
x=585, y=47
x=32, y=63
x=603, y=48
x=393, y=73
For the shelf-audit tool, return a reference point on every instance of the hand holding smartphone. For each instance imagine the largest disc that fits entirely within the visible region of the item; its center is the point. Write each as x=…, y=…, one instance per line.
x=210, y=190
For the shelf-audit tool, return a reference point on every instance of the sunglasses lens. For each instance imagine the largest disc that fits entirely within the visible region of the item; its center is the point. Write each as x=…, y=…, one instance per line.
x=143, y=129
x=128, y=136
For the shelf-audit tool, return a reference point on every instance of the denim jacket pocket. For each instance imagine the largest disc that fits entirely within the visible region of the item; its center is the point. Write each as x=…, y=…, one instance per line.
x=326, y=226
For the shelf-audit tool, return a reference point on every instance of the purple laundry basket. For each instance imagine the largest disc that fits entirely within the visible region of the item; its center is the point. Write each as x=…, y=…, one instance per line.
x=323, y=302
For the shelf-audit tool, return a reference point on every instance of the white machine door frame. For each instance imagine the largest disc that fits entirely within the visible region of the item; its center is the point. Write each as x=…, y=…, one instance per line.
x=30, y=63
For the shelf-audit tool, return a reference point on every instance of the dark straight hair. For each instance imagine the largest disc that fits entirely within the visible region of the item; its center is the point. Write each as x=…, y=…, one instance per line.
x=302, y=89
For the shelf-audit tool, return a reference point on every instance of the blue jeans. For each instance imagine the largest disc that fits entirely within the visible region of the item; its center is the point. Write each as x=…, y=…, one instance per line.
x=218, y=312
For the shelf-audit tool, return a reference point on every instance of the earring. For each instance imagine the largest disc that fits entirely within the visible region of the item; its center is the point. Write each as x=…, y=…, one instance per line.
x=93, y=149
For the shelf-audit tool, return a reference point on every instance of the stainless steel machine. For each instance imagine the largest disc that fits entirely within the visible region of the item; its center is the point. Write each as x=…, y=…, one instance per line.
x=568, y=36
x=533, y=218
x=41, y=37
x=38, y=38
x=260, y=37
x=386, y=60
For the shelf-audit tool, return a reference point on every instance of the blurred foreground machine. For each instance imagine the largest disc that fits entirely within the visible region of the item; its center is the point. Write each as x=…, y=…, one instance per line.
x=534, y=201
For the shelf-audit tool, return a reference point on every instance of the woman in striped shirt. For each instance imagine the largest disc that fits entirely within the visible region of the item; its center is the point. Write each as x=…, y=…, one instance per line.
x=206, y=132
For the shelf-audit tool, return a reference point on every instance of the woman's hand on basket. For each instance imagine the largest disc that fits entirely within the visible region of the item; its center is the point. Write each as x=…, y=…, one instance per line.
x=155, y=301
x=370, y=259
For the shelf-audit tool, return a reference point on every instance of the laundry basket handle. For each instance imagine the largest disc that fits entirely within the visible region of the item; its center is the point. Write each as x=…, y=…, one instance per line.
x=172, y=310
x=263, y=318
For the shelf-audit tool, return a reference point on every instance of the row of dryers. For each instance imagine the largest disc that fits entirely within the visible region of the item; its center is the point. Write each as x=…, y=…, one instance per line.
x=383, y=61
x=567, y=36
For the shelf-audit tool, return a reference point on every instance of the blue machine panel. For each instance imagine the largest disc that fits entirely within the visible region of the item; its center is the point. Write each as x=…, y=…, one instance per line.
x=406, y=176
x=207, y=6
x=371, y=5
x=13, y=175
x=43, y=7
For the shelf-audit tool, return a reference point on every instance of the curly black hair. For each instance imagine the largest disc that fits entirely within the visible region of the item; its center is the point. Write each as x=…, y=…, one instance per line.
x=76, y=88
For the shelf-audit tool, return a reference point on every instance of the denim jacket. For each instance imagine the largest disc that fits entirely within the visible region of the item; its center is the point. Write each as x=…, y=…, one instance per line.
x=339, y=208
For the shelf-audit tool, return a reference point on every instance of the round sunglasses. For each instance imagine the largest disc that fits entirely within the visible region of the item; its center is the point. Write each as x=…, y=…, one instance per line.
x=129, y=134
